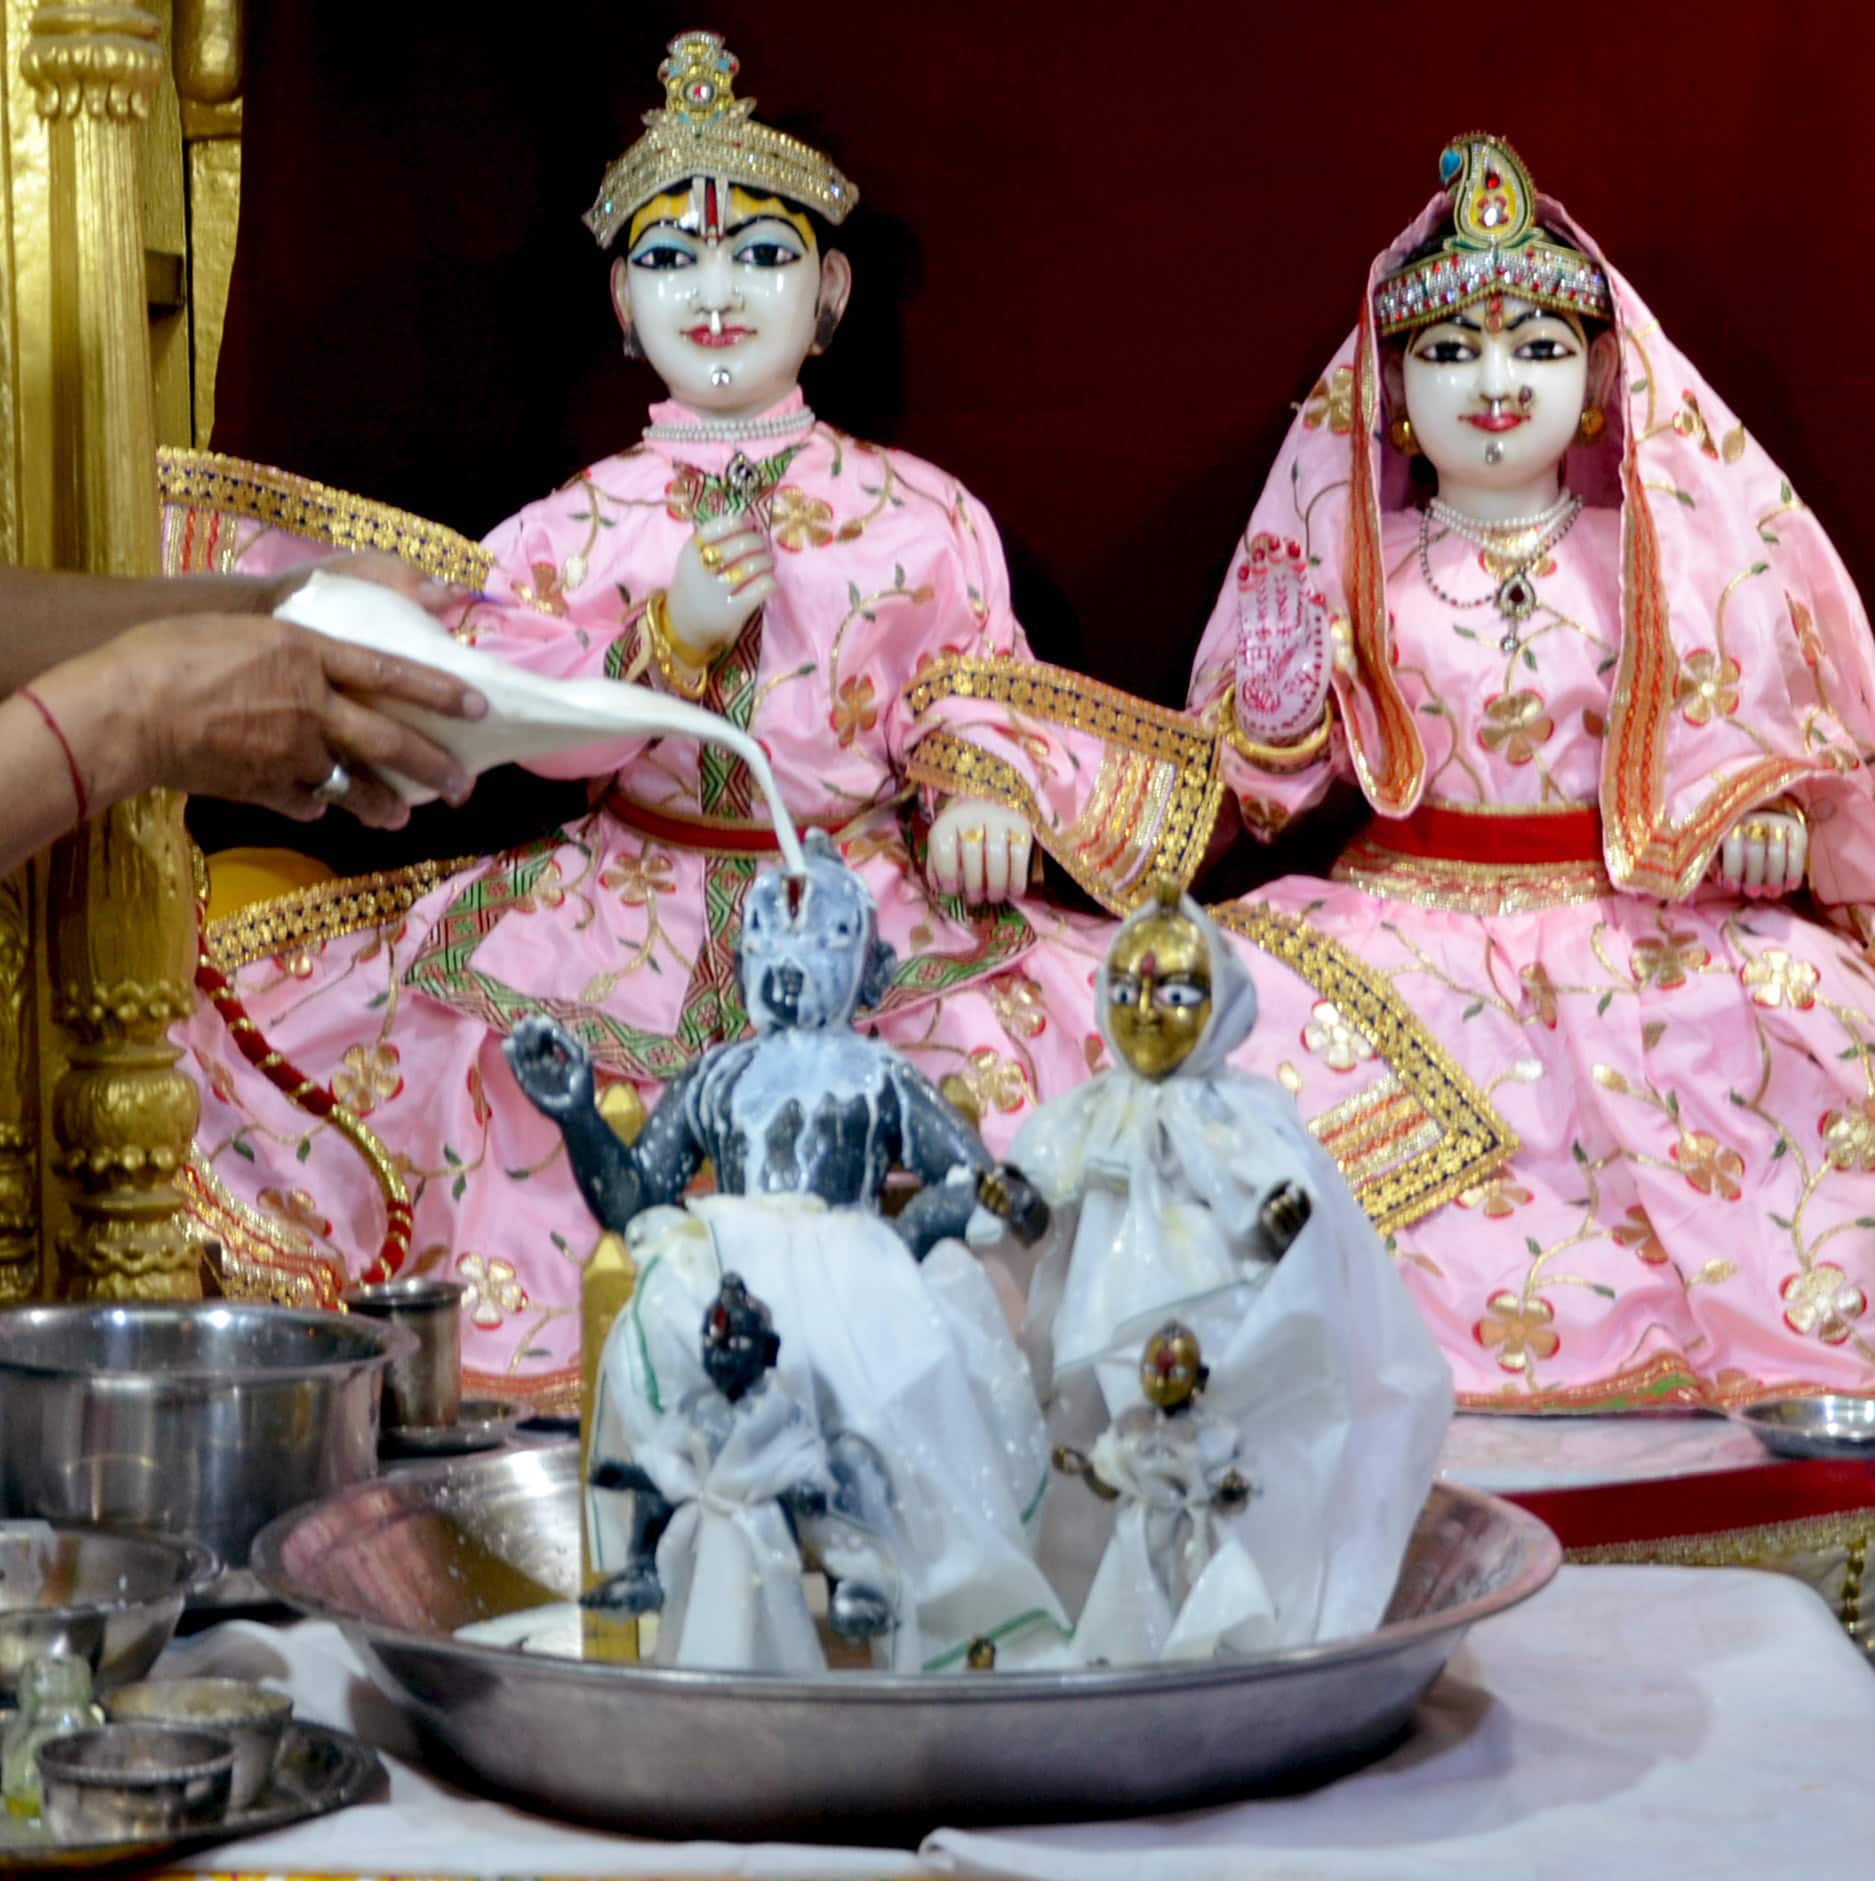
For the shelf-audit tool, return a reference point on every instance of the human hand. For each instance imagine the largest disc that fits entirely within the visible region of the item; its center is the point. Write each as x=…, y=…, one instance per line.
x=254, y=710
x=1283, y=659
x=1763, y=854
x=361, y=565
x=725, y=571
x=978, y=850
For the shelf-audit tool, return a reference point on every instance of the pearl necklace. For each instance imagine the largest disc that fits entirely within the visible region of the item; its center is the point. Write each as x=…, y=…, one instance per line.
x=1515, y=595
x=1477, y=529
x=730, y=430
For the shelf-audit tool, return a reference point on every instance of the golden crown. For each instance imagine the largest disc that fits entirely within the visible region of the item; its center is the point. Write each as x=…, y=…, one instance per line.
x=706, y=130
x=1495, y=247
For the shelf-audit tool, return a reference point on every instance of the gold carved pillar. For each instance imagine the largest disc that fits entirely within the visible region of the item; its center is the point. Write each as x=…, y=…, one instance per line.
x=121, y=915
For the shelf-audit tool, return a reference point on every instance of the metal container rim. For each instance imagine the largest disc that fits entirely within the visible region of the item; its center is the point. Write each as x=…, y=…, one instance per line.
x=196, y=1566
x=1542, y=1556
x=392, y=1342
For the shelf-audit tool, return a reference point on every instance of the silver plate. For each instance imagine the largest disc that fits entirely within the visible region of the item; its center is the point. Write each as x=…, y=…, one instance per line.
x=403, y=1562
x=482, y=1424
x=319, y=1771
x=1814, y=1427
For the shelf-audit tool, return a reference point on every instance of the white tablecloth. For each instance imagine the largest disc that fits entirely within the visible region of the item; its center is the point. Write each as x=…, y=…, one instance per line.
x=1628, y=1721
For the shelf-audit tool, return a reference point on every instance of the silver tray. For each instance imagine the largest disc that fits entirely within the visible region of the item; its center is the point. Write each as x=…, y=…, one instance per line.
x=402, y=1562
x=1814, y=1427
x=319, y=1771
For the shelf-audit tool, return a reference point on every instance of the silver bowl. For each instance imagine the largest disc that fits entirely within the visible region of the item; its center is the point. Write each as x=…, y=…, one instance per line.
x=110, y=1599
x=401, y=1563
x=203, y=1421
x=1814, y=1427
x=252, y=1718
x=133, y=1779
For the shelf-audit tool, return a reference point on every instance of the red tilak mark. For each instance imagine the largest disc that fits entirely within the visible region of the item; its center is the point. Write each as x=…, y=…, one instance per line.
x=1149, y=967
x=711, y=223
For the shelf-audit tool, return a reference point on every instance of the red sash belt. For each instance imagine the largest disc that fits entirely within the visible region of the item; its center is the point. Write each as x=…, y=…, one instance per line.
x=695, y=832
x=1442, y=834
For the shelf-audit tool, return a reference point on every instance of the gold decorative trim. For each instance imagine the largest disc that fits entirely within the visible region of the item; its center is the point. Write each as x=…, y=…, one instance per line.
x=1467, y=887
x=328, y=911
x=1735, y=1547
x=1472, y=1139
x=1176, y=799
x=252, y=1257
x=315, y=512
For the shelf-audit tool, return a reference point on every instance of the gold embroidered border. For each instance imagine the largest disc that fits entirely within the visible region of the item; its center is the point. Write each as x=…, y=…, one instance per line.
x=1472, y=1138
x=1468, y=887
x=1185, y=750
x=1736, y=1547
x=1374, y=1128
x=1667, y=1379
x=327, y=911
x=256, y=1260
x=316, y=512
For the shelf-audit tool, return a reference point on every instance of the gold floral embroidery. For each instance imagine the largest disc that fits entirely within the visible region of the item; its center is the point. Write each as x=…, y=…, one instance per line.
x=995, y=1082
x=1849, y=1136
x=368, y=1077
x=1338, y=1044
x=1637, y=1234
x=546, y=594
x=1016, y=1001
x=1823, y=1302
x=1497, y=1195
x=1332, y=403
x=494, y=1291
x=1515, y=725
x=1775, y=979
x=853, y=709
x=1665, y=963
x=1542, y=990
x=547, y=893
x=1707, y=1165
x=298, y=1207
x=1708, y=686
x=636, y=879
x=799, y=520
x=1517, y=1332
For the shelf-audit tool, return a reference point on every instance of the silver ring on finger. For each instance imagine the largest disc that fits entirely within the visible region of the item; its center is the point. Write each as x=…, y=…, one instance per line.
x=336, y=785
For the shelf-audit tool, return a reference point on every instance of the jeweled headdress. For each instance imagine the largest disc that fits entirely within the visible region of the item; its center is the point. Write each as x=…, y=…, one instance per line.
x=706, y=130
x=1495, y=248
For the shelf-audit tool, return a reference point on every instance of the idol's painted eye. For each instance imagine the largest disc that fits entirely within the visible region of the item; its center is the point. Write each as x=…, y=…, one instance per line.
x=1181, y=995
x=1546, y=347
x=767, y=254
x=1123, y=993
x=656, y=257
x=1445, y=352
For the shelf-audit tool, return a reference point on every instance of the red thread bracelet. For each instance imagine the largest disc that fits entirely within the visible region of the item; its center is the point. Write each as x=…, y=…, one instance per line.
x=71, y=763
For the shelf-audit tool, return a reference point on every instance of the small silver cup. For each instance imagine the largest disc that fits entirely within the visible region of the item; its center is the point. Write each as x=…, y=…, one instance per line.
x=422, y=1389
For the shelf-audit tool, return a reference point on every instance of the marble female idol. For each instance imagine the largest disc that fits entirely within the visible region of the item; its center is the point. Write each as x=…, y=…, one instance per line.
x=1585, y=1013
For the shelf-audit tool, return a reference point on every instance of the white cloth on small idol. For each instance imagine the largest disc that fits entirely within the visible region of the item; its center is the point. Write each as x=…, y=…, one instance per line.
x=529, y=714
x=1321, y=1361
x=1167, y=1177
x=912, y=1360
x=728, y=1560
x=1175, y=1581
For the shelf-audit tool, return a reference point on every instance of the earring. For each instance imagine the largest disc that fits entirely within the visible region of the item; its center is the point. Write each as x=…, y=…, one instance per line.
x=826, y=323
x=1591, y=425
x=1400, y=435
x=631, y=348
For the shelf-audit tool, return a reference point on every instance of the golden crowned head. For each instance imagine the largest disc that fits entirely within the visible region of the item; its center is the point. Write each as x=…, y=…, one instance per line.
x=704, y=129
x=1172, y=1370
x=1495, y=247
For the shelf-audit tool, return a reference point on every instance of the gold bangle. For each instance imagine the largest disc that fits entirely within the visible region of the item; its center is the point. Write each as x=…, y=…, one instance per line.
x=1291, y=757
x=686, y=675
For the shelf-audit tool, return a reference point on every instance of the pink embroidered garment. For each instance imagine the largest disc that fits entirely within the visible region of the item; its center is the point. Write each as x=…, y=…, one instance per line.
x=1619, y=1123
x=892, y=620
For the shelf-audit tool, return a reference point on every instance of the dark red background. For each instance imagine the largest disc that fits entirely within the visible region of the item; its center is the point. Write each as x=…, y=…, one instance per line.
x=1100, y=251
